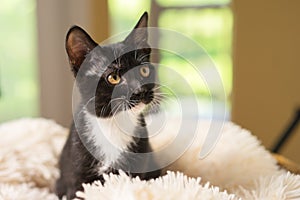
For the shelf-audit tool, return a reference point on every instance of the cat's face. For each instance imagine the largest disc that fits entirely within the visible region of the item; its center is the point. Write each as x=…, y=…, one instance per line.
x=113, y=77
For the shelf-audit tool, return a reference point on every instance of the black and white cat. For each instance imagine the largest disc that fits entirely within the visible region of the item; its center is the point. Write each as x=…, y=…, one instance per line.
x=108, y=133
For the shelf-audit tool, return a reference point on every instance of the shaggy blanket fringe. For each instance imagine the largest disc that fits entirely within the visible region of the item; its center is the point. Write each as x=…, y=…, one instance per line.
x=239, y=167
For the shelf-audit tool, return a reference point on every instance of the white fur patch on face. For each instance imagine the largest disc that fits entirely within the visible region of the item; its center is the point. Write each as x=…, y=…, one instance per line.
x=112, y=136
x=93, y=71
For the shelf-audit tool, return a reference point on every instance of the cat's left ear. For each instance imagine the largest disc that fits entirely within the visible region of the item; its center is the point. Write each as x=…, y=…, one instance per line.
x=78, y=45
x=139, y=34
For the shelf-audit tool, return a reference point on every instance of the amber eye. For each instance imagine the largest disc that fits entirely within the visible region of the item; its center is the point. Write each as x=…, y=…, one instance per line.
x=114, y=78
x=145, y=71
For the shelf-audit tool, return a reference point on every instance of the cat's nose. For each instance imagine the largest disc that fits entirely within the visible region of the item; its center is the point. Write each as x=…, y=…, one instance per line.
x=142, y=95
x=139, y=90
x=137, y=94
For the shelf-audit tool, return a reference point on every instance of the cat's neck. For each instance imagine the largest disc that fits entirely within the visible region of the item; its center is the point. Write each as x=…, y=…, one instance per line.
x=114, y=135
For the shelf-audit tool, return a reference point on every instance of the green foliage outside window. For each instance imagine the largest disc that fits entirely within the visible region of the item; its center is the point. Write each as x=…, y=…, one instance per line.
x=18, y=59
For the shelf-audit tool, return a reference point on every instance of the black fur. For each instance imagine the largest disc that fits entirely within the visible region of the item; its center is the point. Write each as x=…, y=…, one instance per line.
x=78, y=163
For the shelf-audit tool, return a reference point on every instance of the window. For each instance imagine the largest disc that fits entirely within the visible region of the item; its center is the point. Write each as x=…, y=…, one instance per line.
x=18, y=71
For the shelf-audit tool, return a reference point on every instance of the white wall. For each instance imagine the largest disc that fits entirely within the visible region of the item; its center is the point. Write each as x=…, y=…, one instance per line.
x=55, y=17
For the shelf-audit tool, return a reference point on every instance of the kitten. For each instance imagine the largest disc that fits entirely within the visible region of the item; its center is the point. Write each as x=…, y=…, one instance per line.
x=108, y=133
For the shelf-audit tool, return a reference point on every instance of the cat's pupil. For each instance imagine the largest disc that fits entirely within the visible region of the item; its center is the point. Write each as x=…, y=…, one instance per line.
x=115, y=77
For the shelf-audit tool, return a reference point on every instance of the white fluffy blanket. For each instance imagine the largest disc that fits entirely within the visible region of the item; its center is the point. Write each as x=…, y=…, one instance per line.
x=238, y=168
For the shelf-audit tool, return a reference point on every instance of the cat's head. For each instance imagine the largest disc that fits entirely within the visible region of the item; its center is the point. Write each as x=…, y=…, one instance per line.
x=112, y=77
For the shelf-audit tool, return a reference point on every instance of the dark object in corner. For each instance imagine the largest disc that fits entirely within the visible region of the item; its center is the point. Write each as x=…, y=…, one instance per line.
x=287, y=133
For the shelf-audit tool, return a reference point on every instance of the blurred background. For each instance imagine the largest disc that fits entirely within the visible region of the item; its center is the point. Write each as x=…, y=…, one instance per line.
x=254, y=44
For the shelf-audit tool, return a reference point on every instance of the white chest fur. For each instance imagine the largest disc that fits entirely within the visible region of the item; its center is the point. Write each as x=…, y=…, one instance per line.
x=112, y=136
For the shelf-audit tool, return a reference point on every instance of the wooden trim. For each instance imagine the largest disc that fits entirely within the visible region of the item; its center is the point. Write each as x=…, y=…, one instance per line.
x=287, y=164
x=99, y=19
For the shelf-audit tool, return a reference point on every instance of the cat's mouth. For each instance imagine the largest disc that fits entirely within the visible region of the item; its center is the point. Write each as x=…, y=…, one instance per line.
x=142, y=97
x=136, y=102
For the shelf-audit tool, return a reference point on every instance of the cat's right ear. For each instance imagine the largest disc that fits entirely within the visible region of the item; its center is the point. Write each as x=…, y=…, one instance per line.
x=78, y=45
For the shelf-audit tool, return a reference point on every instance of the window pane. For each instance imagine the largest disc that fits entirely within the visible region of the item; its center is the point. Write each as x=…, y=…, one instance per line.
x=212, y=30
x=124, y=14
x=190, y=2
x=18, y=71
